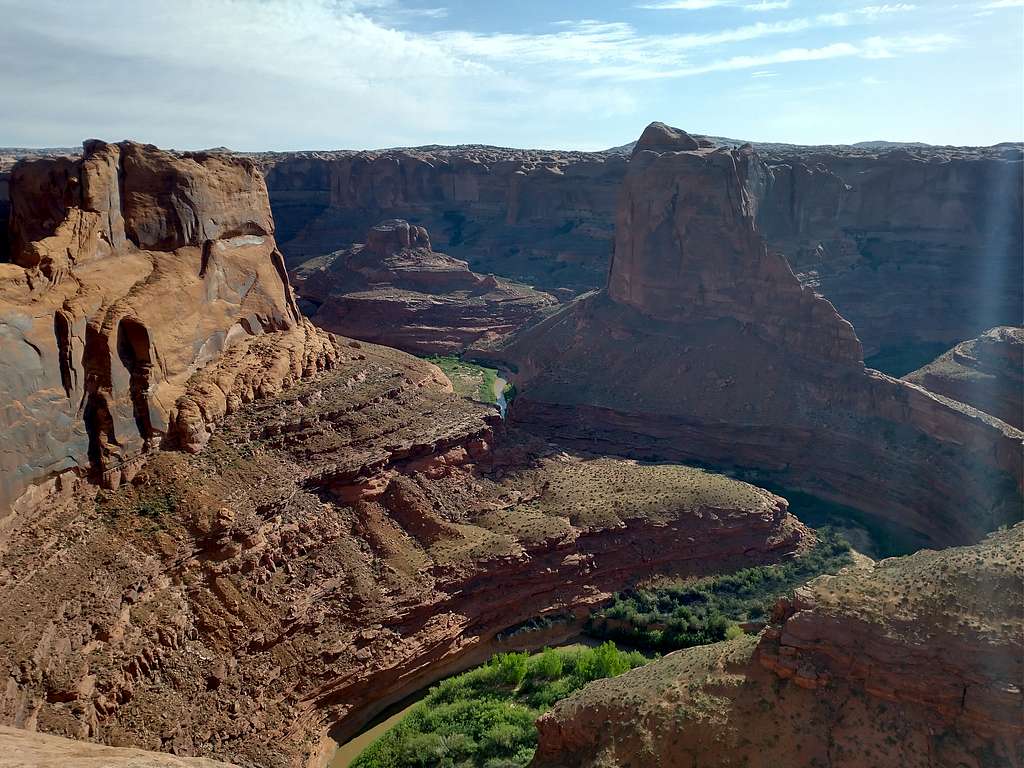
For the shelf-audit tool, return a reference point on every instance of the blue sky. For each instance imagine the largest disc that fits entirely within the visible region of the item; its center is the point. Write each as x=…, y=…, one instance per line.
x=582, y=74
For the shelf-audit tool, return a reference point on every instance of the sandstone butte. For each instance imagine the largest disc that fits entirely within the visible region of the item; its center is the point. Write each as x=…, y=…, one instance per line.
x=919, y=247
x=704, y=346
x=396, y=290
x=986, y=372
x=914, y=661
x=225, y=533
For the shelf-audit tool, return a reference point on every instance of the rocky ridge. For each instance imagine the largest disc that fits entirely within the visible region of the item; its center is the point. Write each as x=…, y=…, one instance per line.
x=396, y=290
x=913, y=661
x=744, y=367
x=986, y=373
x=918, y=246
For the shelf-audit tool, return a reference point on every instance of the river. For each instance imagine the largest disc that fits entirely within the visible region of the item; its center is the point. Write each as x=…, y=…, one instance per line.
x=350, y=750
x=499, y=395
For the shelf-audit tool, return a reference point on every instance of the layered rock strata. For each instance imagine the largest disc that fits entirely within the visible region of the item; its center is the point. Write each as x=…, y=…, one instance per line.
x=915, y=245
x=543, y=218
x=132, y=268
x=335, y=527
x=986, y=373
x=705, y=346
x=396, y=290
x=916, y=661
x=918, y=246
x=331, y=548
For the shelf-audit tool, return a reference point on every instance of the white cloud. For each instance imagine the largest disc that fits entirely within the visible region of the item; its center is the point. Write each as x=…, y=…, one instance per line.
x=301, y=74
x=767, y=5
x=617, y=50
x=871, y=48
x=881, y=10
x=700, y=5
x=684, y=5
x=429, y=13
x=1004, y=4
x=888, y=48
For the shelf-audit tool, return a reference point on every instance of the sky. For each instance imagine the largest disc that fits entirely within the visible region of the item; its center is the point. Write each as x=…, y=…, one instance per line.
x=576, y=74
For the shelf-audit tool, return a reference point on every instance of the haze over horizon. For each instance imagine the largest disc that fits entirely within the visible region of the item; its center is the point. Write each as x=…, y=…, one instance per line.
x=352, y=74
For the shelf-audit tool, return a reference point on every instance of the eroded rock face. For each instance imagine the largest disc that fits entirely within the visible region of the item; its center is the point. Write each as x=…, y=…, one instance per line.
x=335, y=529
x=332, y=548
x=705, y=346
x=543, y=218
x=919, y=247
x=986, y=372
x=132, y=269
x=395, y=290
x=915, y=661
x=686, y=250
x=915, y=246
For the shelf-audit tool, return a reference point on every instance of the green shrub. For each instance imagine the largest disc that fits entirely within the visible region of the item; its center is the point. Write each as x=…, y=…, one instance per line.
x=707, y=610
x=547, y=664
x=484, y=718
x=511, y=668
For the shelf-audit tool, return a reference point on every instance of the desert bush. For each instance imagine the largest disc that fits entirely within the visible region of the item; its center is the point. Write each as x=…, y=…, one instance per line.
x=484, y=718
x=676, y=616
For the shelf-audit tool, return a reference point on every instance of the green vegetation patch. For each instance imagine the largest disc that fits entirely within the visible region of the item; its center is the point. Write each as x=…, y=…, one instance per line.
x=484, y=718
x=476, y=382
x=670, y=616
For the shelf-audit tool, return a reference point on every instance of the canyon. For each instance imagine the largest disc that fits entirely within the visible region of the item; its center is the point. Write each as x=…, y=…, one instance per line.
x=228, y=533
x=235, y=527
x=917, y=246
x=745, y=368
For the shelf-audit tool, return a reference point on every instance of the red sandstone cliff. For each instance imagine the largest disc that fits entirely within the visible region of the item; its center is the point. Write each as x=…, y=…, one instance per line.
x=919, y=247
x=986, y=372
x=705, y=346
x=132, y=268
x=396, y=290
x=542, y=218
x=331, y=549
x=915, y=246
x=914, y=661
